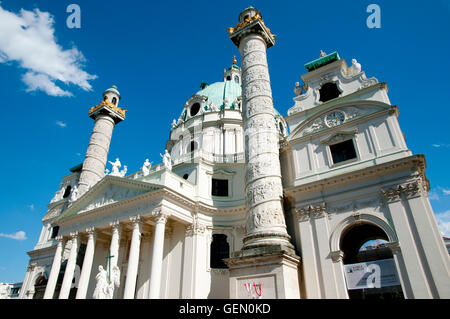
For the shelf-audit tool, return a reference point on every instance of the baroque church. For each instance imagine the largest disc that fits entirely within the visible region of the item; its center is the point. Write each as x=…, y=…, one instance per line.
x=248, y=203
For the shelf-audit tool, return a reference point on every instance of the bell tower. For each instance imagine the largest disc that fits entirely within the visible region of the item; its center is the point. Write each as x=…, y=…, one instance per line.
x=106, y=115
x=267, y=248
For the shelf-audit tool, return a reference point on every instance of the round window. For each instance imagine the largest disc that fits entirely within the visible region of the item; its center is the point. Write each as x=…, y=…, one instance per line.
x=195, y=108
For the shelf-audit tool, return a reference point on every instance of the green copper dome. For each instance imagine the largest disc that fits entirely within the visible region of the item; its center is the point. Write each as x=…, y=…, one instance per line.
x=219, y=92
x=113, y=89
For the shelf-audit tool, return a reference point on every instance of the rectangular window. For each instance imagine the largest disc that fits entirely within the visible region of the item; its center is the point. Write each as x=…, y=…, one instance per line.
x=343, y=151
x=55, y=231
x=219, y=187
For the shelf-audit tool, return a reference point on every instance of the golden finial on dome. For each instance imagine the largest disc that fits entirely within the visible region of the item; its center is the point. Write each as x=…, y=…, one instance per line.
x=234, y=59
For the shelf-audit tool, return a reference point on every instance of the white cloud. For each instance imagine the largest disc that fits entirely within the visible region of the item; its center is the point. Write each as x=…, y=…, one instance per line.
x=20, y=235
x=28, y=38
x=31, y=207
x=441, y=145
x=446, y=191
x=433, y=195
x=39, y=81
x=61, y=124
x=443, y=220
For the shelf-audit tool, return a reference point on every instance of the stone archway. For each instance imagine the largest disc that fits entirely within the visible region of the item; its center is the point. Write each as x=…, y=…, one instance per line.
x=363, y=245
x=39, y=286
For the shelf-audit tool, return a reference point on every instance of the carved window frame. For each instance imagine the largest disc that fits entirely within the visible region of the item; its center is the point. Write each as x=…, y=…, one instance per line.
x=339, y=137
x=224, y=175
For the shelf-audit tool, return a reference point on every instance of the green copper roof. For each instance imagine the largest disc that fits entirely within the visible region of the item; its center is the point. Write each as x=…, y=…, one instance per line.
x=219, y=91
x=77, y=168
x=329, y=58
x=113, y=89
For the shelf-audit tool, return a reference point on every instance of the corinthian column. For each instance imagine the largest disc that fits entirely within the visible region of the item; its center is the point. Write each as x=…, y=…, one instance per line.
x=133, y=259
x=264, y=191
x=54, y=272
x=157, y=255
x=70, y=268
x=87, y=265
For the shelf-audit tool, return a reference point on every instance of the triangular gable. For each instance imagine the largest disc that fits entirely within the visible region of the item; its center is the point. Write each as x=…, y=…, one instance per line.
x=108, y=191
x=352, y=111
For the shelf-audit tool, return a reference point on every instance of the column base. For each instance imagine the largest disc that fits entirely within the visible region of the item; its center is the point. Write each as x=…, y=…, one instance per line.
x=266, y=272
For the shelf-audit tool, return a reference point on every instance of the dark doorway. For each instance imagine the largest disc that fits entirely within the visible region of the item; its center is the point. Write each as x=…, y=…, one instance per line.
x=365, y=243
x=220, y=249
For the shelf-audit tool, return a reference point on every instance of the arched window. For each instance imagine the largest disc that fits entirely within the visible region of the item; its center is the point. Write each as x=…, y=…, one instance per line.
x=280, y=125
x=236, y=79
x=67, y=191
x=329, y=91
x=186, y=176
x=368, y=261
x=193, y=146
x=194, y=109
x=114, y=101
x=228, y=77
x=39, y=287
x=220, y=249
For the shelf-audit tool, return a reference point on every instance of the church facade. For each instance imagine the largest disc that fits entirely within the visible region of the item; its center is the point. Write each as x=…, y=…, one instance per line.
x=247, y=203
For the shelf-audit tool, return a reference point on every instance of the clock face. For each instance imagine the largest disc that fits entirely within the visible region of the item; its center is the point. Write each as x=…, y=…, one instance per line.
x=335, y=118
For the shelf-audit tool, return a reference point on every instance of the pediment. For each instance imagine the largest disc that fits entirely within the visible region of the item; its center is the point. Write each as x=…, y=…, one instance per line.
x=352, y=111
x=109, y=190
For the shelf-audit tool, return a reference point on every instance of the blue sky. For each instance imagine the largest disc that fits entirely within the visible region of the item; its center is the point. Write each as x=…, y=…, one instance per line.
x=158, y=53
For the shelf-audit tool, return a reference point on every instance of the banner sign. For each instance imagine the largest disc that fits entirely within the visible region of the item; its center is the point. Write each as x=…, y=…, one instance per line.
x=371, y=274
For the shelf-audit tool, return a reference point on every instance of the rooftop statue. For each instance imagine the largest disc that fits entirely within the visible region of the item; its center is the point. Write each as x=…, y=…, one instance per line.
x=146, y=167
x=115, y=167
x=167, y=160
x=355, y=68
x=74, y=194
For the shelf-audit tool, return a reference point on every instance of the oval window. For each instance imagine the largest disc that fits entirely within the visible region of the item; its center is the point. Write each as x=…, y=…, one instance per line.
x=195, y=108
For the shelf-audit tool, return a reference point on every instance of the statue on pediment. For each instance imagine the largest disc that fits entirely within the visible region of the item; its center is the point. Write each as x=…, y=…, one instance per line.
x=146, y=167
x=123, y=172
x=58, y=195
x=355, y=68
x=167, y=160
x=115, y=167
x=74, y=194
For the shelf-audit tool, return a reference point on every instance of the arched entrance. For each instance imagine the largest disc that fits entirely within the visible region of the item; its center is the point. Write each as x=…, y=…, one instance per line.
x=39, y=287
x=368, y=263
